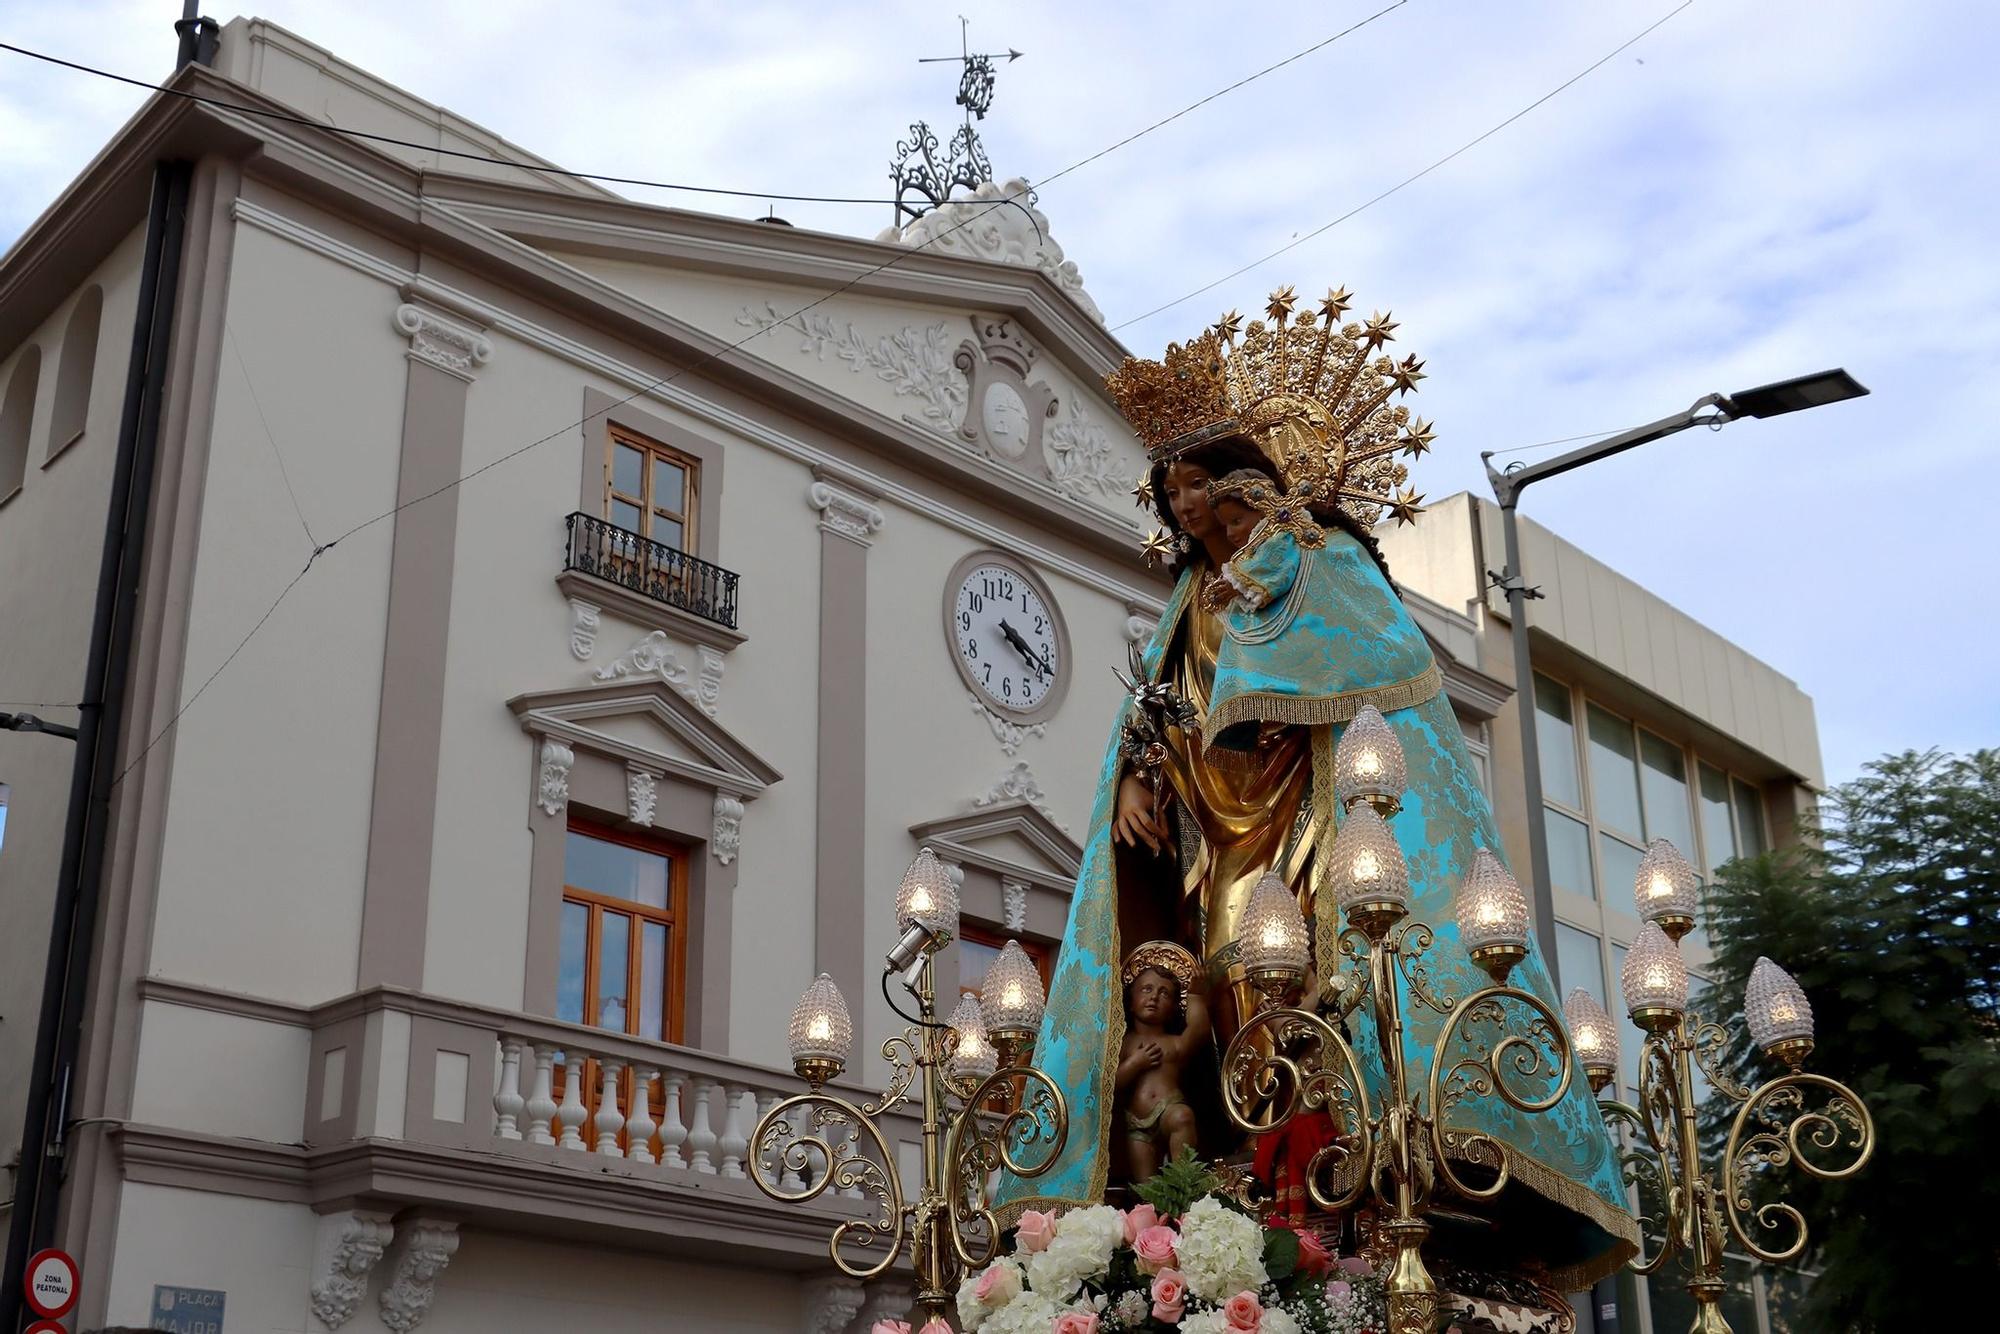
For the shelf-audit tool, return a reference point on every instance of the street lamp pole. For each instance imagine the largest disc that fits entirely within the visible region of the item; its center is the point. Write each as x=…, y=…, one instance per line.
x=1714, y=410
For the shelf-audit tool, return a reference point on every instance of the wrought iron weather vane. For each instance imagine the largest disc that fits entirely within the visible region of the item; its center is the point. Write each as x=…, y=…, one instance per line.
x=917, y=168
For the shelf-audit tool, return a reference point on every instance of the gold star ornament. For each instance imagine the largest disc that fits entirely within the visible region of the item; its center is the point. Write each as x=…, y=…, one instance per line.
x=1380, y=329
x=1335, y=304
x=1142, y=494
x=1408, y=371
x=1406, y=505
x=1158, y=548
x=1281, y=303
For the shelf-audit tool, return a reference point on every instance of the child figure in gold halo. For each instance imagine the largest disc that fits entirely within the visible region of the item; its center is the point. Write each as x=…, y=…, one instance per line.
x=1166, y=1021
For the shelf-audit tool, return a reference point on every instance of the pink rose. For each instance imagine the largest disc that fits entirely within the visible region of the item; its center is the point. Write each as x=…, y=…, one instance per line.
x=1138, y=1219
x=1314, y=1258
x=998, y=1284
x=1244, y=1312
x=1075, y=1322
x=1155, y=1248
x=1337, y=1291
x=1354, y=1264
x=1169, y=1296
x=890, y=1327
x=1035, y=1231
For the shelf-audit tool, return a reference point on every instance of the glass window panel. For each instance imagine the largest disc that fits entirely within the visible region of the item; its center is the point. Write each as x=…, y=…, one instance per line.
x=1698, y=1004
x=1578, y=963
x=974, y=958
x=1663, y=777
x=1749, y=819
x=1614, y=773
x=1569, y=853
x=628, y=470
x=1555, y=732
x=1718, y=837
x=614, y=962
x=625, y=515
x=670, y=532
x=1628, y=1036
x=1617, y=874
x=570, y=962
x=615, y=871
x=669, y=485
x=653, y=980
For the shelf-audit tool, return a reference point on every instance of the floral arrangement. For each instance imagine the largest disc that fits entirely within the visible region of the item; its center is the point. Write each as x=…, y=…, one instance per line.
x=1187, y=1260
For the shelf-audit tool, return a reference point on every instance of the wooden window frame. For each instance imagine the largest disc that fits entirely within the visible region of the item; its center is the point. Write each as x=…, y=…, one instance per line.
x=688, y=516
x=674, y=917
x=995, y=938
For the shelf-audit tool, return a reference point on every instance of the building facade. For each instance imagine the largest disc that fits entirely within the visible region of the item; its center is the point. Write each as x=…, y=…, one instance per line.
x=552, y=646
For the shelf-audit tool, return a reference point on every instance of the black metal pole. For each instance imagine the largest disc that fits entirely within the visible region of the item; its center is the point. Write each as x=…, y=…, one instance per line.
x=1540, y=894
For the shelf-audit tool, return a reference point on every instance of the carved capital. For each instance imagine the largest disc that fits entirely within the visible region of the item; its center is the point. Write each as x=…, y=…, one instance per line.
x=728, y=832
x=440, y=341
x=642, y=795
x=552, y=784
x=583, y=622
x=426, y=1247
x=352, y=1244
x=1014, y=903
x=844, y=514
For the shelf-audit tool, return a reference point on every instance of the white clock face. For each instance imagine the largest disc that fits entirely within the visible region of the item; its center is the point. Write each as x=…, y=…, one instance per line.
x=1006, y=638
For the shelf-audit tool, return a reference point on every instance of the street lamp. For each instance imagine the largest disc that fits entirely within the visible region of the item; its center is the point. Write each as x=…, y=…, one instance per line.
x=1769, y=400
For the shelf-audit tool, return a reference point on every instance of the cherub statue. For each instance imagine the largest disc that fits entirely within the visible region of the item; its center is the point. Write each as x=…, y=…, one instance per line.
x=1166, y=1021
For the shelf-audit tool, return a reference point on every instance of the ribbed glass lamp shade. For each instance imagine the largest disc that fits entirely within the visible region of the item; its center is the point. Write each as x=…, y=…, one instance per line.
x=1655, y=977
x=972, y=1056
x=1776, y=1007
x=1490, y=906
x=1666, y=888
x=928, y=896
x=1273, y=937
x=821, y=1034
x=1593, y=1036
x=1011, y=999
x=1368, y=867
x=1369, y=759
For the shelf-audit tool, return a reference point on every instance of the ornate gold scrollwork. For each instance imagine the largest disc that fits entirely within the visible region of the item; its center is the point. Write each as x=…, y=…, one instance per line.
x=820, y=1164
x=1542, y=1050
x=1647, y=1170
x=1784, y=1131
x=1276, y=1067
x=984, y=1143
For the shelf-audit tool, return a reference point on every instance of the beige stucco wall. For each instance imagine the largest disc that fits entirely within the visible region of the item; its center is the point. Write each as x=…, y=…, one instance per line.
x=267, y=837
x=50, y=536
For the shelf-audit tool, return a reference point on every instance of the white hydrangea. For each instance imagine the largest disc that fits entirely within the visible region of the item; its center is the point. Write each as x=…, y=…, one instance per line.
x=1082, y=1246
x=1029, y=1313
x=1221, y=1251
x=1133, y=1309
x=1205, y=1322
x=971, y=1311
x=1276, y=1321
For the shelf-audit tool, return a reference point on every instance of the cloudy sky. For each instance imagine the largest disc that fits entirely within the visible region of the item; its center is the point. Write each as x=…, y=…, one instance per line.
x=1750, y=192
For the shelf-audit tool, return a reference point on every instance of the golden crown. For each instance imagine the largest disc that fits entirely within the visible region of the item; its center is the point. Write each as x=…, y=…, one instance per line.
x=1311, y=391
x=1165, y=955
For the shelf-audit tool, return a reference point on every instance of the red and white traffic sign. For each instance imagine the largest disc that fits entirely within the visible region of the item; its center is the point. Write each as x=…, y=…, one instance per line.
x=47, y=1327
x=51, y=1282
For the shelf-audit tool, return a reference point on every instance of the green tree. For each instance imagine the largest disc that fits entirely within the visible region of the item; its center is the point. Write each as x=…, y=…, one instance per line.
x=1890, y=920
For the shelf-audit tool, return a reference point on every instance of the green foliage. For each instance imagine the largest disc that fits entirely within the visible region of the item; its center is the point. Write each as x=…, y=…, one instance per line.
x=1181, y=1181
x=1281, y=1253
x=1892, y=926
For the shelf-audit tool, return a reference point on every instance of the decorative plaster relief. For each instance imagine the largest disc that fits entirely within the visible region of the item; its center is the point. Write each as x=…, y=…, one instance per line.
x=1008, y=734
x=652, y=656
x=1017, y=784
x=583, y=621
x=642, y=795
x=983, y=226
x=1014, y=903
x=1138, y=630
x=1081, y=460
x=358, y=1240
x=553, y=787
x=917, y=363
x=427, y=1247
x=844, y=514
x=830, y=1303
x=1004, y=414
x=441, y=342
x=728, y=834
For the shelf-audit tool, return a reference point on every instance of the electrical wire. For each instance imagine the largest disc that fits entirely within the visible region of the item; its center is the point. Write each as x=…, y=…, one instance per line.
x=283, y=472
x=1408, y=180
x=1544, y=444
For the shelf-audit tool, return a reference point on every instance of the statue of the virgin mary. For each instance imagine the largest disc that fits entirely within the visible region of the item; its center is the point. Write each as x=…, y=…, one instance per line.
x=1268, y=647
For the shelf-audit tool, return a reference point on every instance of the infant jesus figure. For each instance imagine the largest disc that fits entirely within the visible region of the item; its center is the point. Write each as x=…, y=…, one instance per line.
x=1166, y=1021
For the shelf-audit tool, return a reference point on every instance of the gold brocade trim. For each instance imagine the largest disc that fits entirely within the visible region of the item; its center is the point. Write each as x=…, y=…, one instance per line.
x=1320, y=710
x=1326, y=910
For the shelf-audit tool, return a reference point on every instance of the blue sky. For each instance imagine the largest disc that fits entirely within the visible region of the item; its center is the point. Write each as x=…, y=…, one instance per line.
x=1749, y=193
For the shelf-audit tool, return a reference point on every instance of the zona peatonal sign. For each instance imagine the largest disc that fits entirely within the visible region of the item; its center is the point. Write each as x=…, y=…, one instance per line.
x=51, y=1283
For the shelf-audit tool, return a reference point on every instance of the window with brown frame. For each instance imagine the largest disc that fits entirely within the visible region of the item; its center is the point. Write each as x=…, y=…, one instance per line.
x=650, y=489
x=979, y=946
x=624, y=933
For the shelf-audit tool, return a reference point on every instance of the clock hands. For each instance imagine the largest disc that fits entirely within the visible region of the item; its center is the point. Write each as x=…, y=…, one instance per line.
x=1013, y=637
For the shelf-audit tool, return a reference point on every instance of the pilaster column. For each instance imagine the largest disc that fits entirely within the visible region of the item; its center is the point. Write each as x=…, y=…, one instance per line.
x=444, y=352
x=848, y=520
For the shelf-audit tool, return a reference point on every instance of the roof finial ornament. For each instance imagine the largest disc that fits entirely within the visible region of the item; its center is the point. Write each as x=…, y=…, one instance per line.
x=917, y=169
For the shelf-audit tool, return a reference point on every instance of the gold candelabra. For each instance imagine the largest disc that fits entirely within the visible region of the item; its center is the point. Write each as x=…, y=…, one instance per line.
x=1794, y=1119
x=1497, y=1040
x=983, y=1110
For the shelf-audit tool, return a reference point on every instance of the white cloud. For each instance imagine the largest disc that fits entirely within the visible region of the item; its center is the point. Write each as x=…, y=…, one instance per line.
x=1751, y=192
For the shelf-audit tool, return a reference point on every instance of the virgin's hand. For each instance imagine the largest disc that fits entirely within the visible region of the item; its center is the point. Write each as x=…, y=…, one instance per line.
x=1136, y=823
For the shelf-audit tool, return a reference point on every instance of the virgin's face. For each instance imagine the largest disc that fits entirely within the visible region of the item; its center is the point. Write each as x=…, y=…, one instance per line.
x=1187, y=500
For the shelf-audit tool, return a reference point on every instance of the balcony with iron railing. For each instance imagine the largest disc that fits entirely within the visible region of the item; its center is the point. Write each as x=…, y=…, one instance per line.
x=687, y=588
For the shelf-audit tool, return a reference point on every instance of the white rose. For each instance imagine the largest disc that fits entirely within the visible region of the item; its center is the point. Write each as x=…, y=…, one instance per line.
x=1221, y=1252
x=1205, y=1322
x=1276, y=1321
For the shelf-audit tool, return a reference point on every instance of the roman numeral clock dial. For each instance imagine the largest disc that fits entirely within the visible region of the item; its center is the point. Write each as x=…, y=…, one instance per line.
x=1006, y=635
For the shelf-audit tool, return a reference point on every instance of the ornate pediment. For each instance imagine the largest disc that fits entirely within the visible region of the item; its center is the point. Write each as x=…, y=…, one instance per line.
x=648, y=723
x=1012, y=838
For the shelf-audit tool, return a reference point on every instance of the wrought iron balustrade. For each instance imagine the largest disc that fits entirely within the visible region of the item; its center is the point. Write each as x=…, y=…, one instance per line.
x=651, y=569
